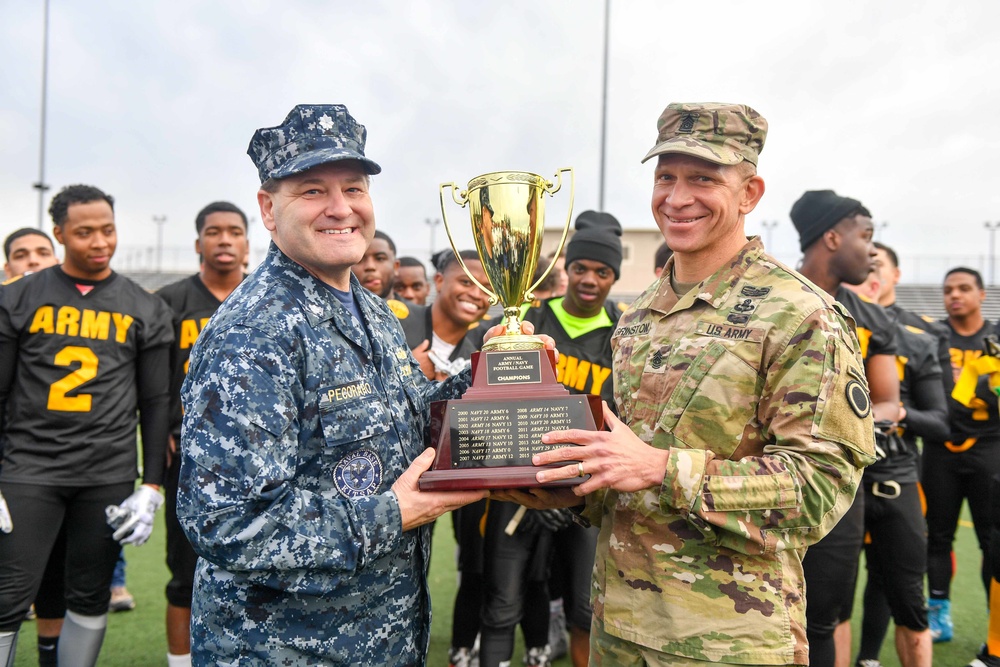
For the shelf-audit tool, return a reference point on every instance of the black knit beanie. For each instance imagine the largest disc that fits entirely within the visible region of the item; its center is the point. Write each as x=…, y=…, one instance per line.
x=818, y=210
x=597, y=237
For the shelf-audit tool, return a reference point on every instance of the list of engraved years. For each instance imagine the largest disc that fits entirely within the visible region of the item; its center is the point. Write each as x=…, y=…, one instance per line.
x=508, y=433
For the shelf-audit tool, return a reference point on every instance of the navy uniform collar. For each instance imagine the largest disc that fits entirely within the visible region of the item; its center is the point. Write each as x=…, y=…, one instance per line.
x=319, y=305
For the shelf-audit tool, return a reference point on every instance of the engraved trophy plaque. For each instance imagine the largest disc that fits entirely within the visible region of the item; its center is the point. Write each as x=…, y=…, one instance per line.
x=485, y=440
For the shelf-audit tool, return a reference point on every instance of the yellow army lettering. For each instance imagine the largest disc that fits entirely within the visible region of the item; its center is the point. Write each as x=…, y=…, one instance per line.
x=189, y=332
x=864, y=336
x=901, y=366
x=69, y=321
x=573, y=372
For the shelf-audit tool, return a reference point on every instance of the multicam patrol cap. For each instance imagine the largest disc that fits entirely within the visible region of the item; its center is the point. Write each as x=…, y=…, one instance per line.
x=310, y=135
x=719, y=133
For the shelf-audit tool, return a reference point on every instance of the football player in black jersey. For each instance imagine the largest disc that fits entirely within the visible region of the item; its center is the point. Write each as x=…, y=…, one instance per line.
x=442, y=337
x=29, y=250
x=582, y=323
x=222, y=246
x=835, y=234
x=961, y=467
x=82, y=351
x=896, y=546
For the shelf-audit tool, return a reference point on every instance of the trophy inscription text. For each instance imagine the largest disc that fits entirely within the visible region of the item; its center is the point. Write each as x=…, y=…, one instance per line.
x=505, y=433
x=513, y=367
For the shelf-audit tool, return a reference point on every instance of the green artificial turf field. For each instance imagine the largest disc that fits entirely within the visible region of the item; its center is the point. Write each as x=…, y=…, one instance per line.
x=136, y=638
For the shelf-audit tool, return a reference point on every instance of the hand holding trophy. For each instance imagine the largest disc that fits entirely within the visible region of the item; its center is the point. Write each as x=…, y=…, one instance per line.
x=485, y=440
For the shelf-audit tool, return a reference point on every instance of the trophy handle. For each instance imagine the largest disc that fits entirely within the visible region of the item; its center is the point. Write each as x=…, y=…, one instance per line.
x=461, y=199
x=569, y=217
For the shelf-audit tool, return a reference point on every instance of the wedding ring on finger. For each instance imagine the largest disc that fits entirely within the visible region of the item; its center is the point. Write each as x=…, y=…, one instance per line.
x=579, y=469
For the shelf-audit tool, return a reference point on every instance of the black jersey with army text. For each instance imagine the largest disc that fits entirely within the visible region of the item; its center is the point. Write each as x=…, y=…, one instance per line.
x=584, y=364
x=876, y=330
x=193, y=305
x=979, y=424
x=77, y=359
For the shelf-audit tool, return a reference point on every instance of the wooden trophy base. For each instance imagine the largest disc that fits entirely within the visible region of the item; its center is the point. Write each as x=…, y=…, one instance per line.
x=486, y=439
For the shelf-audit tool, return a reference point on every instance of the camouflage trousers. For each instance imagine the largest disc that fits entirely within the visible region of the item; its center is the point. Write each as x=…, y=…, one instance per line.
x=609, y=651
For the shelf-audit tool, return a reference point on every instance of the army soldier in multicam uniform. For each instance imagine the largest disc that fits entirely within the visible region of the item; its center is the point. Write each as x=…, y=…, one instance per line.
x=745, y=421
x=304, y=430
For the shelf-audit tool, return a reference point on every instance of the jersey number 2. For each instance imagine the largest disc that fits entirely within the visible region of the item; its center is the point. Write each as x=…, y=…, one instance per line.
x=58, y=400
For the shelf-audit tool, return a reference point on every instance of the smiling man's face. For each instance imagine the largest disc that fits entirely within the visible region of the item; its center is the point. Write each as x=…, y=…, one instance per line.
x=458, y=298
x=322, y=219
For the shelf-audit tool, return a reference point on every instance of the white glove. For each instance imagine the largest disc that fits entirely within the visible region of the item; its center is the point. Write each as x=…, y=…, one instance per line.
x=133, y=519
x=6, y=523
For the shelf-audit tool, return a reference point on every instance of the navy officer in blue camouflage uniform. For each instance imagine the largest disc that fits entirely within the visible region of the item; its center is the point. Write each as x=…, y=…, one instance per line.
x=304, y=432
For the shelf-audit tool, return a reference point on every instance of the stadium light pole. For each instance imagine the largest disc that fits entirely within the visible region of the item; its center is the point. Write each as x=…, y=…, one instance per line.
x=879, y=226
x=604, y=107
x=992, y=227
x=432, y=223
x=159, y=221
x=768, y=226
x=41, y=185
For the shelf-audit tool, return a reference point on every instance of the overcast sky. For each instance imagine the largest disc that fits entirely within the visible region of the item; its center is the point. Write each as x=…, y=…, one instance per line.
x=894, y=103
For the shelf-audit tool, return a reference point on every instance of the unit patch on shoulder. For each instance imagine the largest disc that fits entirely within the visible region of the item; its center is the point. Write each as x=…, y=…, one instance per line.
x=358, y=474
x=857, y=398
x=398, y=308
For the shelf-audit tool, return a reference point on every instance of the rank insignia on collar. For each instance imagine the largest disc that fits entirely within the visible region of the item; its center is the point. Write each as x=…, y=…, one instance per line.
x=754, y=292
x=687, y=123
x=400, y=353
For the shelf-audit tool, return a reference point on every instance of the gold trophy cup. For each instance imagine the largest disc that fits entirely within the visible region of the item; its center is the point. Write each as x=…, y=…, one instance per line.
x=485, y=440
x=508, y=221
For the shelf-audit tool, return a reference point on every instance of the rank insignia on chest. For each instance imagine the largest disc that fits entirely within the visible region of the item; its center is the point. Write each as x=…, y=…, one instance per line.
x=656, y=360
x=754, y=292
x=358, y=474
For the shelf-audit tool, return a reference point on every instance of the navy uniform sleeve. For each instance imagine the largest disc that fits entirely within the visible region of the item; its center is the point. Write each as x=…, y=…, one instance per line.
x=238, y=501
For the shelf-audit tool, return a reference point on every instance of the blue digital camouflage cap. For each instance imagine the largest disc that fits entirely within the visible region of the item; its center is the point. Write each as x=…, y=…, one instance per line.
x=310, y=135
